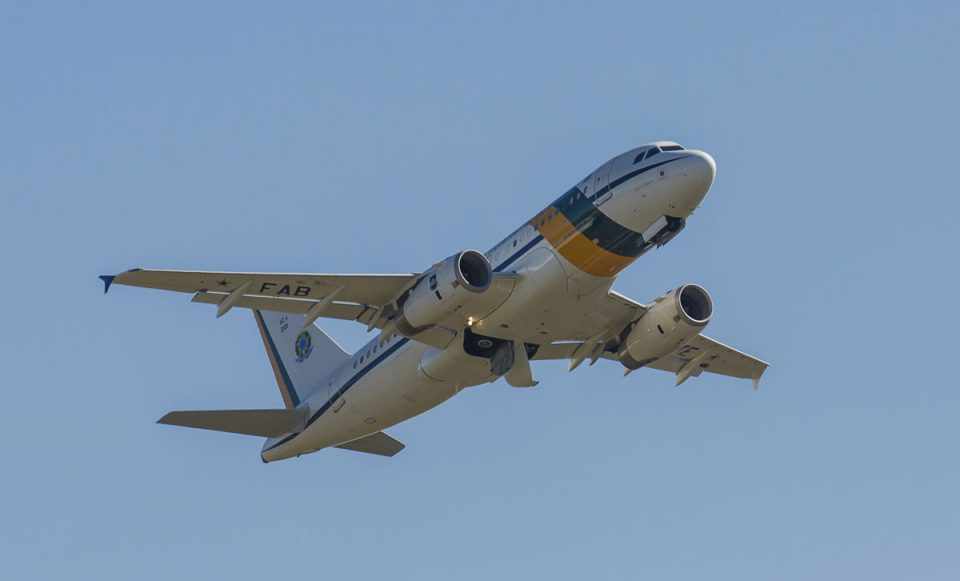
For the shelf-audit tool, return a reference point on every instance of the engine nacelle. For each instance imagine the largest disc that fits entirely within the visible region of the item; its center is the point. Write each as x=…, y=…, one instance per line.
x=444, y=290
x=674, y=318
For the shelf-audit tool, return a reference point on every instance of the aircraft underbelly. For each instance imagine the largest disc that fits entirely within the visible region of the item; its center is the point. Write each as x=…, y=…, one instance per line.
x=393, y=392
x=551, y=302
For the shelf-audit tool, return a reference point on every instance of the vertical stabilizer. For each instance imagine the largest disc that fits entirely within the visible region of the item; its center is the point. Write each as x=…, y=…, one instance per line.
x=301, y=358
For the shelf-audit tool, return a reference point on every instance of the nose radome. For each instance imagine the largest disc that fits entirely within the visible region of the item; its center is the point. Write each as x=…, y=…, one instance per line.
x=702, y=169
x=698, y=173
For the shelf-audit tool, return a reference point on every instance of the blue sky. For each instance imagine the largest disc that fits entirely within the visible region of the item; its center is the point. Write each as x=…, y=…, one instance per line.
x=382, y=137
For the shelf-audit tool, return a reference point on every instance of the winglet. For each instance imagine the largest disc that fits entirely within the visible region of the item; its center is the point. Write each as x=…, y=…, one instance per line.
x=758, y=375
x=107, y=281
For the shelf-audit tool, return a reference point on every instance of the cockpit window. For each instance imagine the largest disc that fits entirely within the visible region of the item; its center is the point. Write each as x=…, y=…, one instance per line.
x=647, y=154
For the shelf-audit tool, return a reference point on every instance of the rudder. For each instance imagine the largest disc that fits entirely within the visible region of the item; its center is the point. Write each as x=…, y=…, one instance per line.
x=301, y=358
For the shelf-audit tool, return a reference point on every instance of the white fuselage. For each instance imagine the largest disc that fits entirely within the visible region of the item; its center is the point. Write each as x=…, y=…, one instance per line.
x=566, y=258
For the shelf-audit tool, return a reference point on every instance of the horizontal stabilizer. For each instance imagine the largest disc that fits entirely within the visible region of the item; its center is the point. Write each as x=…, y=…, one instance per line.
x=379, y=444
x=266, y=423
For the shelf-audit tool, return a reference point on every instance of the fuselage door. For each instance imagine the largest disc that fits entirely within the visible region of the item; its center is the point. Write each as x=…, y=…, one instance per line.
x=599, y=181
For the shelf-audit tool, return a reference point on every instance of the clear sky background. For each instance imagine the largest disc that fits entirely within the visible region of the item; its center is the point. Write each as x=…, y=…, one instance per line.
x=325, y=137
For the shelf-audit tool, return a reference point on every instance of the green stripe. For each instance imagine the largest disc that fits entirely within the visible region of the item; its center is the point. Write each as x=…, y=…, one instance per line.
x=597, y=226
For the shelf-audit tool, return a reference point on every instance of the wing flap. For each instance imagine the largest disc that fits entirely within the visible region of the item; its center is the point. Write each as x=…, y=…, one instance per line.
x=436, y=336
x=334, y=310
x=265, y=423
x=380, y=444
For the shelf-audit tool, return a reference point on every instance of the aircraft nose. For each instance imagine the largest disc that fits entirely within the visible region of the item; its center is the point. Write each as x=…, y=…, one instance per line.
x=697, y=175
x=700, y=171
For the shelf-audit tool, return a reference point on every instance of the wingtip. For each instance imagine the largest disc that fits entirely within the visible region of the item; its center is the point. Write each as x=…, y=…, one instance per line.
x=756, y=378
x=107, y=281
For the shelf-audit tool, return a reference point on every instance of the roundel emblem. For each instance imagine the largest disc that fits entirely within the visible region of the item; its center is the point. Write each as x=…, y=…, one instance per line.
x=304, y=346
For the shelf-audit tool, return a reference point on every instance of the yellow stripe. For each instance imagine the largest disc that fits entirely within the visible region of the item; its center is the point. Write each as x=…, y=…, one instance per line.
x=579, y=250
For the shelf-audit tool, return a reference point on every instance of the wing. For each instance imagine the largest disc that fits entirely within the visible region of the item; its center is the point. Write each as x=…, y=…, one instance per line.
x=366, y=298
x=701, y=353
x=621, y=307
x=364, y=289
x=615, y=312
x=610, y=314
x=698, y=354
x=354, y=297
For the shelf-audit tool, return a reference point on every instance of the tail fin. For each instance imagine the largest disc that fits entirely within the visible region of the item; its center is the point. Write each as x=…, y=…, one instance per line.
x=301, y=358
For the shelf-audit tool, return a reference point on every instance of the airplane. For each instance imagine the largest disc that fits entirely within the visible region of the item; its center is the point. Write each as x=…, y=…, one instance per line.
x=542, y=293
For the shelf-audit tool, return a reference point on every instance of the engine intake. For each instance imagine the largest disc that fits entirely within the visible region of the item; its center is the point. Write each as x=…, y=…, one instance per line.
x=674, y=318
x=695, y=304
x=474, y=271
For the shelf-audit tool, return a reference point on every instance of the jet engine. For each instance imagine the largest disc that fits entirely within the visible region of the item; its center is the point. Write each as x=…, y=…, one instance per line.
x=674, y=318
x=444, y=290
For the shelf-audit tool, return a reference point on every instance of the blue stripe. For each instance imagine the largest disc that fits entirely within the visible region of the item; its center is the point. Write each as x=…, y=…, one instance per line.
x=516, y=255
x=347, y=385
x=294, y=398
x=631, y=175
